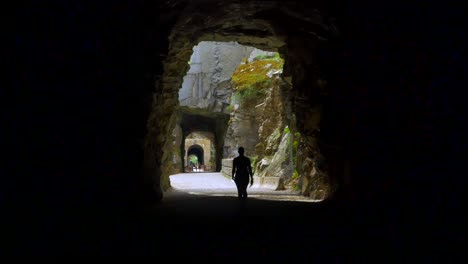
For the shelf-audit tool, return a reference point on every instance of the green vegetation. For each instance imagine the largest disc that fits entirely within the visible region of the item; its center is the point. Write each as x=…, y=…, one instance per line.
x=254, y=161
x=276, y=56
x=254, y=74
x=193, y=159
x=251, y=92
x=250, y=79
x=297, y=138
x=230, y=108
x=295, y=175
x=295, y=180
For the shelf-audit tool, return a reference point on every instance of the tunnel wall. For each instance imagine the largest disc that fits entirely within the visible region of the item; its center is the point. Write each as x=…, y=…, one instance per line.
x=226, y=168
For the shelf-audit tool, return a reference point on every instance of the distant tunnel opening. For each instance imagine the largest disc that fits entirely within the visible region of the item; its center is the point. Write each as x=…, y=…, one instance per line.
x=195, y=158
x=198, y=129
x=197, y=151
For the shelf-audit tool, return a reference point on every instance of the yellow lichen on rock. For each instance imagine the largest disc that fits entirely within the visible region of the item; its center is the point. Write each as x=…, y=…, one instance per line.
x=254, y=74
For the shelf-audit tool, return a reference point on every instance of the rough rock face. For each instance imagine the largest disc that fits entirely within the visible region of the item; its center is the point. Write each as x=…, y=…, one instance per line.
x=207, y=83
x=314, y=181
x=272, y=119
x=242, y=131
x=256, y=103
x=176, y=143
x=280, y=165
x=258, y=126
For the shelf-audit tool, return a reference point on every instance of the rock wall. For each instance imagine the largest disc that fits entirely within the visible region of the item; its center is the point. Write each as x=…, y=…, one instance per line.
x=257, y=106
x=260, y=130
x=226, y=168
x=280, y=165
x=207, y=83
x=242, y=131
x=176, y=143
x=274, y=148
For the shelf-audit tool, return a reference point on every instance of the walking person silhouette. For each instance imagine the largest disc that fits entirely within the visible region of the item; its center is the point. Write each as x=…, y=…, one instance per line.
x=241, y=170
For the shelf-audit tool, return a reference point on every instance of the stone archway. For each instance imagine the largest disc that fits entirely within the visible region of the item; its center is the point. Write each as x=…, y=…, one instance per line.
x=201, y=145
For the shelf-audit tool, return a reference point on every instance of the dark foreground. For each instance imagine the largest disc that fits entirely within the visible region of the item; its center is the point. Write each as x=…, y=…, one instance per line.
x=193, y=227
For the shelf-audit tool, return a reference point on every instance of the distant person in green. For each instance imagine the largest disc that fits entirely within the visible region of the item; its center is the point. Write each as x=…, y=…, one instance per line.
x=241, y=170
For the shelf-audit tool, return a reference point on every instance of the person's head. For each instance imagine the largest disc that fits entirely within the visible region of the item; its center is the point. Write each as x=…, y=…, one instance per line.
x=241, y=150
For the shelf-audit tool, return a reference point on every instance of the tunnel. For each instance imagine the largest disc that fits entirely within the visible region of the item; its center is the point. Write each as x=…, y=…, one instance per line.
x=213, y=123
x=378, y=93
x=306, y=92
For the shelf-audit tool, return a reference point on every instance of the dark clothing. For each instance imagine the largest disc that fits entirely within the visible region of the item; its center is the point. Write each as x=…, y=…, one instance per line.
x=242, y=189
x=241, y=170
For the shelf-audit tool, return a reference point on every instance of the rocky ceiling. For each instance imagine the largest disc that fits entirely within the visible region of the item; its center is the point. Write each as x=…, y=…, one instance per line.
x=194, y=123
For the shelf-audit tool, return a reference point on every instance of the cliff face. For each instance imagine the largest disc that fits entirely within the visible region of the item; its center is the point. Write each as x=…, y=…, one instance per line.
x=260, y=113
x=256, y=105
x=207, y=83
x=263, y=123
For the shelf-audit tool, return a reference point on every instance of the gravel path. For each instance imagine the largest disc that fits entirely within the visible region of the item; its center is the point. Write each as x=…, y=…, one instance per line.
x=216, y=184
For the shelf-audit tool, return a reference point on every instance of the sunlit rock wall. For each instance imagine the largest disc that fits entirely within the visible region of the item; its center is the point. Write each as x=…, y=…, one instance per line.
x=207, y=83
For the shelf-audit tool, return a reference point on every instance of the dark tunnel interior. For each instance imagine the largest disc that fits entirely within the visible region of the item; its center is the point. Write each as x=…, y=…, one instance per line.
x=82, y=83
x=197, y=151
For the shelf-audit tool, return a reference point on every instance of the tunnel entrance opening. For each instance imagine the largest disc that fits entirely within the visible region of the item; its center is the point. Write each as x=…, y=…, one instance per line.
x=244, y=86
x=198, y=129
x=199, y=145
x=195, y=159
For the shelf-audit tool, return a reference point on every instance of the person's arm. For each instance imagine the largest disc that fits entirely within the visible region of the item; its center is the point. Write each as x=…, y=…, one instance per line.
x=233, y=168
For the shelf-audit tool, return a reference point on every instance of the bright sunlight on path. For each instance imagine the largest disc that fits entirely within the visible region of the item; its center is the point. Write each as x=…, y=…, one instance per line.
x=215, y=184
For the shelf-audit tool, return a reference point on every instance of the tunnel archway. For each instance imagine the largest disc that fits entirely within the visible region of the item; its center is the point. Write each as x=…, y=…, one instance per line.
x=212, y=127
x=303, y=44
x=198, y=151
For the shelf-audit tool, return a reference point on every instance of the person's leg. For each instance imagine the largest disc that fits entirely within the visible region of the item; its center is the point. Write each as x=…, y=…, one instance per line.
x=239, y=189
x=244, y=190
